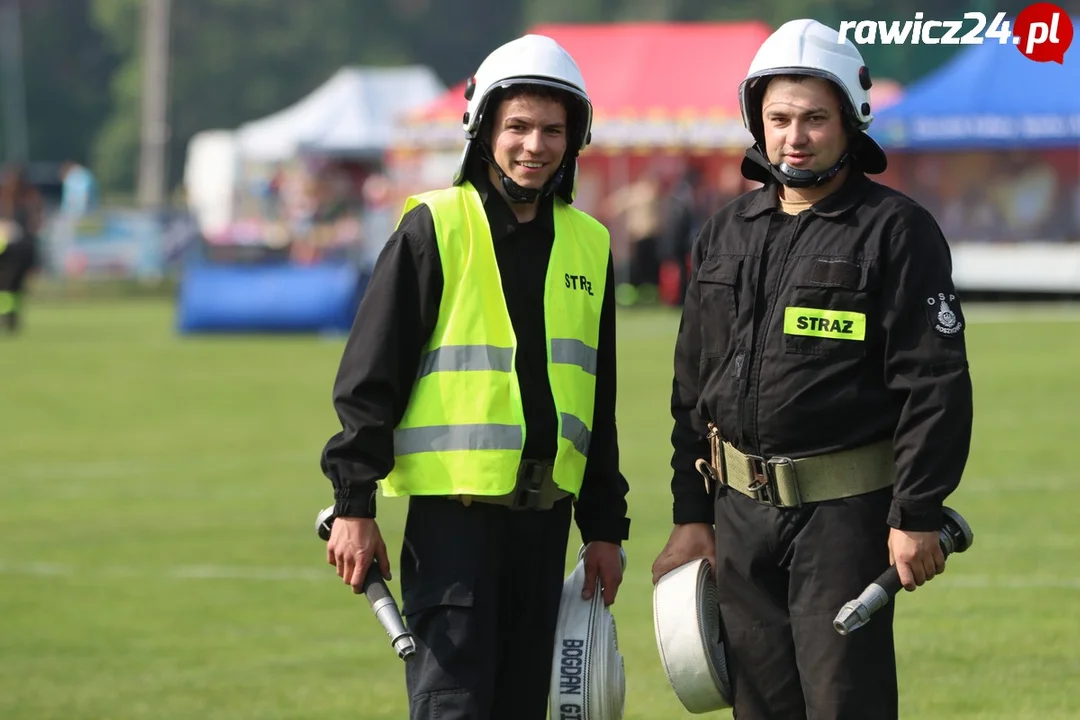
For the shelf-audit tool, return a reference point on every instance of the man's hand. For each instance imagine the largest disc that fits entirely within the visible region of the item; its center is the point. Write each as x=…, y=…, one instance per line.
x=602, y=559
x=687, y=542
x=352, y=545
x=917, y=556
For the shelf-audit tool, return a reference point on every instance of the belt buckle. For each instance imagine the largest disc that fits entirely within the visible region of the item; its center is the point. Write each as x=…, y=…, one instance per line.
x=763, y=486
x=781, y=460
x=527, y=490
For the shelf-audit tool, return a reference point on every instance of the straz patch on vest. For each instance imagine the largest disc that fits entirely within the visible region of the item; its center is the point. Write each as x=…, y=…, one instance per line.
x=832, y=324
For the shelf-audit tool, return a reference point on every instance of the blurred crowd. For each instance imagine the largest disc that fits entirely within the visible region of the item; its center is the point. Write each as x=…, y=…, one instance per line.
x=309, y=210
x=659, y=215
x=1008, y=197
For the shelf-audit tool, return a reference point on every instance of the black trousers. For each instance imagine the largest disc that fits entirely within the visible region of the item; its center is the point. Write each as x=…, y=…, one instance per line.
x=783, y=574
x=481, y=587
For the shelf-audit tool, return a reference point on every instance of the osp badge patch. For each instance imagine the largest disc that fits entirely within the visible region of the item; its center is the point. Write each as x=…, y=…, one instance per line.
x=943, y=313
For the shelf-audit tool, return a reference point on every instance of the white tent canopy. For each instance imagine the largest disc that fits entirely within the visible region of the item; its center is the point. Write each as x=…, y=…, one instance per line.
x=353, y=113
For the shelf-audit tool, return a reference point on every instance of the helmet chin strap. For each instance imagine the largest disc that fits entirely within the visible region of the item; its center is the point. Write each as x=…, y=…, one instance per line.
x=515, y=192
x=796, y=178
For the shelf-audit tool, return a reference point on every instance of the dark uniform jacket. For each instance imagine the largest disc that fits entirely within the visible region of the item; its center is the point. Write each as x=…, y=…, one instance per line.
x=396, y=318
x=863, y=250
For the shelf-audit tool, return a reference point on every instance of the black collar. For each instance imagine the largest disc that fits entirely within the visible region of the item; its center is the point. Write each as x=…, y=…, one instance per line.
x=846, y=197
x=501, y=218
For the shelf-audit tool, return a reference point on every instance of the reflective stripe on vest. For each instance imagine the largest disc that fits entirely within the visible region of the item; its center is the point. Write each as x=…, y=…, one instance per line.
x=464, y=429
x=466, y=357
x=576, y=432
x=450, y=358
x=434, y=438
x=574, y=352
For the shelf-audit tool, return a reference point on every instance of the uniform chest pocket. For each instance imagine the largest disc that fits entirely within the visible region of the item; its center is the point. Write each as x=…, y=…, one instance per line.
x=828, y=310
x=718, y=290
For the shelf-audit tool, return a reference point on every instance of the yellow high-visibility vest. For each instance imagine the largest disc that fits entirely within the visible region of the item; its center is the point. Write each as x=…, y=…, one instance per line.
x=464, y=428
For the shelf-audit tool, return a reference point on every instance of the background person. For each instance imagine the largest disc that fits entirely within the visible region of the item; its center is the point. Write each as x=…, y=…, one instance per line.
x=20, y=225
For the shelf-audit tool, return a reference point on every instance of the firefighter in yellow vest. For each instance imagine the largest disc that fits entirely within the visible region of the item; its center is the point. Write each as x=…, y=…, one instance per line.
x=479, y=381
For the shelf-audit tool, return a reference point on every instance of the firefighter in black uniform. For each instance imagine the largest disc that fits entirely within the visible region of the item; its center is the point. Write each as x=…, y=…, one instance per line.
x=479, y=380
x=821, y=376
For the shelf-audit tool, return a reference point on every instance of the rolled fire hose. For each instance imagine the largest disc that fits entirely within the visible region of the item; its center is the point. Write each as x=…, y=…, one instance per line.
x=588, y=681
x=686, y=617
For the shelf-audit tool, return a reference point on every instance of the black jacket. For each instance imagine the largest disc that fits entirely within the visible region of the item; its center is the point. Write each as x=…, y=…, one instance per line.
x=865, y=250
x=396, y=318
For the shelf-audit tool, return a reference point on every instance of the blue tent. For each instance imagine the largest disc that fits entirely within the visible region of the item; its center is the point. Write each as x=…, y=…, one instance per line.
x=988, y=96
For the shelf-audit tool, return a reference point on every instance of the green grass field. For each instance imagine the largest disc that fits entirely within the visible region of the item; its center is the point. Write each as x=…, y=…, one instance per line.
x=158, y=559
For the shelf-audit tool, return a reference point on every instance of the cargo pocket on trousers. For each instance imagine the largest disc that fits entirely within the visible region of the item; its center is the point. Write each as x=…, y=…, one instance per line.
x=828, y=311
x=436, y=571
x=718, y=291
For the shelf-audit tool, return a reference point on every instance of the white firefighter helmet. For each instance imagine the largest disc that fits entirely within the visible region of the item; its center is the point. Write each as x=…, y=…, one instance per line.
x=532, y=60
x=807, y=47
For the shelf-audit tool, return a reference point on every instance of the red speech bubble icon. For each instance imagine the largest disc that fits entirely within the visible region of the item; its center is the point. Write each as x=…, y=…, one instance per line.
x=1043, y=32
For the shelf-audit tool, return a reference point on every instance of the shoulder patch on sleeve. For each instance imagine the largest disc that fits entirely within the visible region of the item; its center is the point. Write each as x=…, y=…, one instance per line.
x=944, y=315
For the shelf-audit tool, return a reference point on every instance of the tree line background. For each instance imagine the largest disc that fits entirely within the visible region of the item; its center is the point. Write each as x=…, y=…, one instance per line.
x=237, y=60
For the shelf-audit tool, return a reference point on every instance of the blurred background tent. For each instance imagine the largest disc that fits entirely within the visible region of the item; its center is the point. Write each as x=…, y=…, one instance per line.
x=291, y=238
x=351, y=115
x=964, y=104
x=990, y=144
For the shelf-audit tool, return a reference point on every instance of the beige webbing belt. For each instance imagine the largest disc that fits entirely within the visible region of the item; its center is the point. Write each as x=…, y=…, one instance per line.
x=536, y=489
x=784, y=482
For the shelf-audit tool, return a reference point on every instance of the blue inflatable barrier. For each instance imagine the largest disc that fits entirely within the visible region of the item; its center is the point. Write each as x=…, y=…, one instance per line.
x=275, y=298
